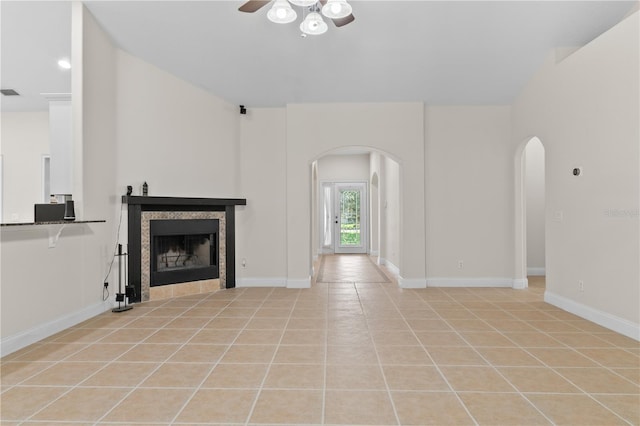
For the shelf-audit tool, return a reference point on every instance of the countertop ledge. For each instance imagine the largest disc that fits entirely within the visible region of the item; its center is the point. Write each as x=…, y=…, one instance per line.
x=57, y=222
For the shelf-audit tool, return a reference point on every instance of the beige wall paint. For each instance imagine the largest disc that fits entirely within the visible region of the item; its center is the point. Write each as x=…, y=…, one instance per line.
x=391, y=209
x=469, y=180
x=180, y=139
x=261, y=224
x=45, y=290
x=585, y=109
x=374, y=201
x=535, y=216
x=25, y=139
x=344, y=168
x=100, y=197
x=394, y=128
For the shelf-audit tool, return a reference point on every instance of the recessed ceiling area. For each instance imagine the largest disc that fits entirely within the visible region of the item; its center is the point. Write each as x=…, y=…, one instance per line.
x=438, y=52
x=34, y=36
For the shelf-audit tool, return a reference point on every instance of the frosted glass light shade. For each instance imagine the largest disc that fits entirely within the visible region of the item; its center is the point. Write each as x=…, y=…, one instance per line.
x=336, y=9
x=304, y=3
x=281, y=12
x=313, y=24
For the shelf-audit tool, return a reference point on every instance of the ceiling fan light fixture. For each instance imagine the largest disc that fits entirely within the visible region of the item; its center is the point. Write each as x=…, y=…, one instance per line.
x=64, y=64
x=281, y=12
x=313, y=24
x=336, y=9
x=303, y=3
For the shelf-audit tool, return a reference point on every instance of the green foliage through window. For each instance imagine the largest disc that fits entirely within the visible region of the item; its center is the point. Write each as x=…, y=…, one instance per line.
x=350, y=217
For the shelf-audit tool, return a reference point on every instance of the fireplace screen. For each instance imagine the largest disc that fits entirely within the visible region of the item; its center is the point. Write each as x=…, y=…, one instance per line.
x=176, y=252
x=183, y=250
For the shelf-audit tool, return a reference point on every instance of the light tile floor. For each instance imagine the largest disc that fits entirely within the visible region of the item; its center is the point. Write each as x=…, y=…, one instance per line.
x=366, y=353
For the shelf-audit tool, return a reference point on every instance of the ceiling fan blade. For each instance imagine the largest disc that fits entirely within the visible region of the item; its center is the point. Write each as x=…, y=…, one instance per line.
x=341, y=22
x=252, y=5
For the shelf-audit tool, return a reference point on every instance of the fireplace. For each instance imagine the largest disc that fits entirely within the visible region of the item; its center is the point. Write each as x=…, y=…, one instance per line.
x=183, y=250
x=180, y=246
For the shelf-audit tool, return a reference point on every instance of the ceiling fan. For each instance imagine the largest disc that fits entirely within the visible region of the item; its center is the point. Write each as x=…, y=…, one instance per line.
x=339, y=11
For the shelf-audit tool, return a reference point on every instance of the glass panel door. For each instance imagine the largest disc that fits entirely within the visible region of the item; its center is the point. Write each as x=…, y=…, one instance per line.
x=350, y=218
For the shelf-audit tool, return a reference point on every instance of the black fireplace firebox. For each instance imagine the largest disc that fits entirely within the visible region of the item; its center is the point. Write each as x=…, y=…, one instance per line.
x=183, y=250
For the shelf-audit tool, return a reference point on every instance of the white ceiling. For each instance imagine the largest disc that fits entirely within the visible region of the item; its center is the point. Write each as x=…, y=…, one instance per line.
x=34, y=35
x=438, y=52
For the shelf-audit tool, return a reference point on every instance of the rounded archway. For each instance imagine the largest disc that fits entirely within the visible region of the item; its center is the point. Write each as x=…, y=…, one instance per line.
x=380, y=174
x=530, y=217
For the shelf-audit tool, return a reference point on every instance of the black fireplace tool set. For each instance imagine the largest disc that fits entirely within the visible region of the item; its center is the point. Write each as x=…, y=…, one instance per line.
x=120, y=296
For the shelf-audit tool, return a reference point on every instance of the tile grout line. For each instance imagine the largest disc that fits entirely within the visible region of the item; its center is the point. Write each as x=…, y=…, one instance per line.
x=375, y=346
x=275, y=352
x=436, y=366
x=498, y=299
x=161, y=363
x=525, y=349
x=495, y=369
x=326, y=358
x=554, y=369
x=214, y=364
x=72, y=388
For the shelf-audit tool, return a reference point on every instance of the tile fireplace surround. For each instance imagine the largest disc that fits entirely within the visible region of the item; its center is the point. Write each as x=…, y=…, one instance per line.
x=142, y=210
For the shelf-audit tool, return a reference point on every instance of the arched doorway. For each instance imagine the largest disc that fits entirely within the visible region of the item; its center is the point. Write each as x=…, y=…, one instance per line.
x=379, y=174
x=530, y=214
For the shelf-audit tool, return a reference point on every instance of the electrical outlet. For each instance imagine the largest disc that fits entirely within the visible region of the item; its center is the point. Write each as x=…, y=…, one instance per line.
x=558, y=216
x=581, y=285
x=460, y=264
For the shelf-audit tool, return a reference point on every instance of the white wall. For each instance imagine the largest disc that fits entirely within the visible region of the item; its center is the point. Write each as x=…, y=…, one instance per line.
x=180, y=139
x=25, y=139
x=47, y=289
x=344, y=168
x=391, y=210
x=534, y=187
x=469, y=185
x=374, y=202
x=394, y=128
x=100, y=198
x=585, y=110
x=261, y=224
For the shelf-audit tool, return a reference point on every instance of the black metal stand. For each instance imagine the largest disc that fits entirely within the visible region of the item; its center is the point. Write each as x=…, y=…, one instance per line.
x=120, y=296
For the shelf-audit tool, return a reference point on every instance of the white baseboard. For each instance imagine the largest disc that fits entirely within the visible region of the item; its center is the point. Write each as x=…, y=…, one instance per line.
x=412, y=282
x=261, y=282
x=521, y=283
x=470, y=282
x=25, y=338
x=612, y=322
x=301, y=283
x=537, y=271
x=390, y=266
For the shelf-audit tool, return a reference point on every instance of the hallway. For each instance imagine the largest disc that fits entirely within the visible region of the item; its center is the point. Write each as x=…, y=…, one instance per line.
x=341, y=353
x=349, y=268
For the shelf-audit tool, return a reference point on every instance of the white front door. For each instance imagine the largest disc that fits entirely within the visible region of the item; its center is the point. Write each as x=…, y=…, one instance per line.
x=350, y=218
